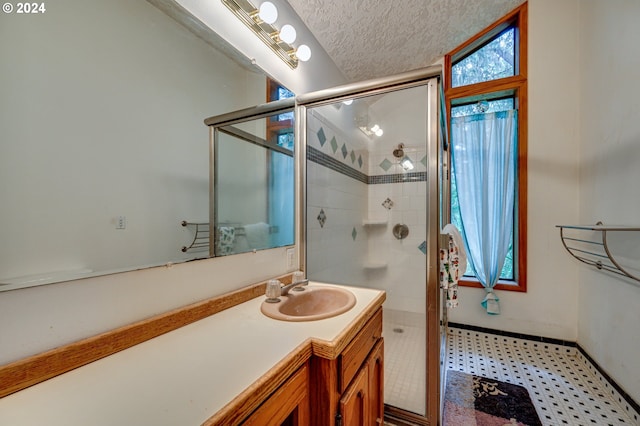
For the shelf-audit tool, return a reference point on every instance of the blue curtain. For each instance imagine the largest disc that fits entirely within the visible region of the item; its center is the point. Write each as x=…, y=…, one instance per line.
x=484, y=159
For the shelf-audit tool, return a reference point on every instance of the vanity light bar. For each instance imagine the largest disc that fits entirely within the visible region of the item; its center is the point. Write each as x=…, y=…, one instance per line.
x=248, y=14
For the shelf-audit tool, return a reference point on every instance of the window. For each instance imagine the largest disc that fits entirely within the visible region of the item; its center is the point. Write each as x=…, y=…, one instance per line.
x=280, y=186
x=488, y=74
x=280, y=126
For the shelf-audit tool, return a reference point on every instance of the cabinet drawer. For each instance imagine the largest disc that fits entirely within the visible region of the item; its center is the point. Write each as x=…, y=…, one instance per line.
x=356, y=352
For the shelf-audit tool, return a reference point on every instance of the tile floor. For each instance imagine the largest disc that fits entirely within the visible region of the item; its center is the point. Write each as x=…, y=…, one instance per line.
x=564, y=387
x=404, y=360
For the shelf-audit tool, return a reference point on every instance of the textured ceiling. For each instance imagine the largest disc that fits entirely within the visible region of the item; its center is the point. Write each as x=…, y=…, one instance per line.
x=375, y=38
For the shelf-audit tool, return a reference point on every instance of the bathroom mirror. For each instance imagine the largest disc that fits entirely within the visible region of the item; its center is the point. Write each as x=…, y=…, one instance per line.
x=104, y=152
x=254, y=185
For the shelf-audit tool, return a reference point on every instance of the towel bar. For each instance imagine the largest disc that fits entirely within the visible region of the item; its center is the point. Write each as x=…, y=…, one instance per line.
x=581, y=252
x=200, y=239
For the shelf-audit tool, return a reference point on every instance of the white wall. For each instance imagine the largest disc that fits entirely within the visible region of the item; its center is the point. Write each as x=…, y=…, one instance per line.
x=609, y=306
x=550, y=306
x=138, y=84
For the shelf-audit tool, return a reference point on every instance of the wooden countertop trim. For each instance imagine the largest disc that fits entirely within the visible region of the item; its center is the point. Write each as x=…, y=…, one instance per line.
x=250, y=399
x=29, y=371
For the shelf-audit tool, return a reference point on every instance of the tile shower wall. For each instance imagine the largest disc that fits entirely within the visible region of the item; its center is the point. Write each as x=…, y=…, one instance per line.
x=336, y=204
x=397, y=266
x=352, y=206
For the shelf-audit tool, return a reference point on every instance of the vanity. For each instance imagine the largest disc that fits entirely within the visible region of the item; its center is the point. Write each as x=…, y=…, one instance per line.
x=237, y=366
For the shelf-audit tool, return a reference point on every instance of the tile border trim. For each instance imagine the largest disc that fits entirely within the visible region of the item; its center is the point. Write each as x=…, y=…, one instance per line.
x=320, y=158
x=331, y=163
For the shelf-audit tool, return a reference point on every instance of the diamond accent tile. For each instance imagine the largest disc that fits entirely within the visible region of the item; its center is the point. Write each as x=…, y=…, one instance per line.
x=345, y=151
x=386, y=165
x=353, y=157
x=321, y=136
x=424, y=161
x=322, y=218
x=354, y=233
x=360, y=161
x=423, y=247
x=387, y=204
x=334, y=144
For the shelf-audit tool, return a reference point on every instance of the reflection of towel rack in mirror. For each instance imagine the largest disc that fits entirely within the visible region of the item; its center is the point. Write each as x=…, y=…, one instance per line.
x=594, y=252
x=201, y=237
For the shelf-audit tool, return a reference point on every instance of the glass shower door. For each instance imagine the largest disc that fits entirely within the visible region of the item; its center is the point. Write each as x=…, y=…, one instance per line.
x=369, y=221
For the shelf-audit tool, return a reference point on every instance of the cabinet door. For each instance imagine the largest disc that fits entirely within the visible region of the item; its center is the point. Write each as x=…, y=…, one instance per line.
x=289, y=405
x=375, y=365
x=354, y=404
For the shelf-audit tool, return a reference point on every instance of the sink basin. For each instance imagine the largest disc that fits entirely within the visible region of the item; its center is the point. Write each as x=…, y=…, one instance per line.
x=314, y=303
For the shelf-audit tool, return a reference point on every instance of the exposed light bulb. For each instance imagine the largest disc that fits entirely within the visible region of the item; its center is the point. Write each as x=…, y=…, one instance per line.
x=303, y=53
x=379, y=132
x=288, y=34
x=268, y=12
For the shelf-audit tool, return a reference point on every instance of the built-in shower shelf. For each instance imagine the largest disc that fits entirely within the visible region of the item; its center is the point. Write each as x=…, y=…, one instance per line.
x=375, y=265
x=593, y=249
x=375, y=222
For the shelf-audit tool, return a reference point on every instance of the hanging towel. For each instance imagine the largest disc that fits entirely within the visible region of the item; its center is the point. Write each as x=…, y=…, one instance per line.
x=457, y=239
x=226, y=239
x=257, y=235
x=453, y=264
x=449, y=272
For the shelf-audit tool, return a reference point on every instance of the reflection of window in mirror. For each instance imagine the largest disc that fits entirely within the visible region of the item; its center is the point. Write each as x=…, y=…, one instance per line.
x=280, y=127
x=281, y=187
x=254, y=184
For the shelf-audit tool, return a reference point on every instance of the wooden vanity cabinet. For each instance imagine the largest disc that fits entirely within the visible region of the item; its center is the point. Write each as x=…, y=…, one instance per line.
x=287, y=406
x=348, y=390
x=363, y=401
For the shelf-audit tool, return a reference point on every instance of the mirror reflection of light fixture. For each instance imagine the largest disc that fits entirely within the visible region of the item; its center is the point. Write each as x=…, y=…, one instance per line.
x=406, y=163
x=377, y=130
x=363, y=120
x=371, y=131
x=260, y=22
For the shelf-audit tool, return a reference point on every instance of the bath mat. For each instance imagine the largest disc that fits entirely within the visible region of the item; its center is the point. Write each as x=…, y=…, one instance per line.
x=477, y=401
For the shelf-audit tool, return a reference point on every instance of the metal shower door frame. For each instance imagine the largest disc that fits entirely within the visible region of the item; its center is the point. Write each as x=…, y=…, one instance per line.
x=431, y=78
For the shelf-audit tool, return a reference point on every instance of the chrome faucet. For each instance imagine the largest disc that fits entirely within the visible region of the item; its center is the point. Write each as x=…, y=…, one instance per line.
x=295, y=286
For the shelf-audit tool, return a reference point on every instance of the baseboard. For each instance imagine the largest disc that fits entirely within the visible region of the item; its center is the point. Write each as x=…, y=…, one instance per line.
x=625, y=400
x=531, y=337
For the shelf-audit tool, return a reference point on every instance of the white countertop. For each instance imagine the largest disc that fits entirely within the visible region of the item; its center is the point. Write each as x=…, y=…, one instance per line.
x=179, y=378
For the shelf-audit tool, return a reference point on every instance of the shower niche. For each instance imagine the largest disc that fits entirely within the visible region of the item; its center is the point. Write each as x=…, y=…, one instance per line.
x=369, y=164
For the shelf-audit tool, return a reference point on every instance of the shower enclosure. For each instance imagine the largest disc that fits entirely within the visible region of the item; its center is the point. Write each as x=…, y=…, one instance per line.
x=368, y=170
